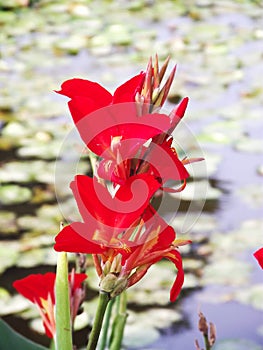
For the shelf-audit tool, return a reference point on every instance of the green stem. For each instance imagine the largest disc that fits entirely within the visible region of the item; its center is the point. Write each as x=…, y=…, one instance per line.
x=95, y=332
x=119, y=322
x=63, y=321
x=105, y=327
x=207, y=344
x=52, y=345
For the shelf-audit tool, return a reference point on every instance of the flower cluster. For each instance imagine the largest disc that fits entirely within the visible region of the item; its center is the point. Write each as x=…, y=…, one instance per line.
x=40, y=290
x=131, y=140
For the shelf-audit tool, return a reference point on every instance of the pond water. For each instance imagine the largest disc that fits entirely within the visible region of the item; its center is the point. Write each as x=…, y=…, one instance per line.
x=219, y=48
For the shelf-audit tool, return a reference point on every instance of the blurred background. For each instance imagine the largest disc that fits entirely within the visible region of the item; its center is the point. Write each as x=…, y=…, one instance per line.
x=218, y=46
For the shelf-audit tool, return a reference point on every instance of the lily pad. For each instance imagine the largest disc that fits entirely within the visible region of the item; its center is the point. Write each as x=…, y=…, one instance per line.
x=36, y=257
x=38, y=224
x=236, y=344
x=240, y=239
x=136, y=337
x=44, y=150
x=28, y=171
x=72, y=44
x=8, y=222
x=15, y=130
x=14, y=194
x=9, y=254
x=252, y=194
x=250, y=145
x=226, y=271
x=252, y=296
x=198, y=224
x=223, y=132
x=198, y=190
x=13, y=305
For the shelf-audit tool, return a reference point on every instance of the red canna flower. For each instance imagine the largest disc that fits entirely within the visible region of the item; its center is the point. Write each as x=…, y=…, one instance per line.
x=104, y=120
x=121, y=264
x=122, y=231
x=40, y=290
x=259, y=256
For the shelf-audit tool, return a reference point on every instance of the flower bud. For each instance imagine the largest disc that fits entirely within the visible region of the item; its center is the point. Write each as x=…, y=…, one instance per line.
x=120, y=286
x=212, y=335
x=202, y=325
x=108, y=283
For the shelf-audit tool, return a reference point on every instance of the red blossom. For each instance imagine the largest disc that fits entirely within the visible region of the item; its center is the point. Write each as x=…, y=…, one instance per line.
x=122, y=231
x=40, y=290
x=99, y=126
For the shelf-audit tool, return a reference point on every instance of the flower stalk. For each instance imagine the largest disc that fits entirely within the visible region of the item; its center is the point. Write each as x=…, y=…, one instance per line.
x=97, y=324
x=106, y=325
x=119, y=322
x=63, y=320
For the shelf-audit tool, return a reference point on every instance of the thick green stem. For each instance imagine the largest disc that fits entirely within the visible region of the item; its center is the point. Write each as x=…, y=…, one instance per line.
x=119, y=322
x=52, y=345
x=207, y=344
x=63, y=321
x=106, y=324
x=97, y=325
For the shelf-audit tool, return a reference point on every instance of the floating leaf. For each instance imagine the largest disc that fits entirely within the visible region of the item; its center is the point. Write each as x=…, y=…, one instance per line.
x=14, y=194
x=252, y=296
x=198, y=190
x=226, y=271
x=13, y=305
x=236, y=344
x=8, y=222
x=252, y=194
x=38, y=224
x=28, y=171
x=250, y=145
x=136, y=337
x=9, y=253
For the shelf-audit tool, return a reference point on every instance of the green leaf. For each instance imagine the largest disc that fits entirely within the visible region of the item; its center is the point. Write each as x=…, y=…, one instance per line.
x=12, y=340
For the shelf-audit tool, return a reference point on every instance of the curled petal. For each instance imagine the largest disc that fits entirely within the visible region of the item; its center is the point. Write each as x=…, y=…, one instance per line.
x=175, y=257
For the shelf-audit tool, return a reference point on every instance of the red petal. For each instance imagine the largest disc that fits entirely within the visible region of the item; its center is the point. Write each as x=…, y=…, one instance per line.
x=165, y=163
x=74, y=239
x=175, y=257
x=259, y=256
x=97, y=206
x=99, y=128
x=177, y=114
x=80, y=107
x=127, y=91
x=36, y=286
x=85, y=88
x=79, y=278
